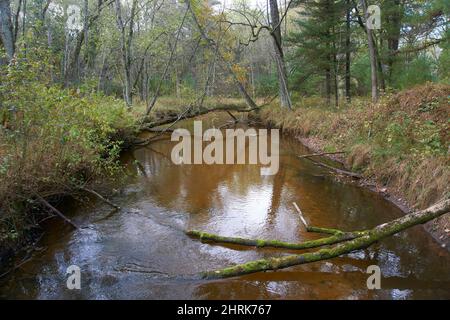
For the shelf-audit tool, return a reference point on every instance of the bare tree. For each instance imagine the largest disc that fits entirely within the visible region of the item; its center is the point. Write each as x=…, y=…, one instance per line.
x=372, y=55
x=228, y=66
x=169, y=63
x=275, y=23
x=126, y=39
x=348, y=18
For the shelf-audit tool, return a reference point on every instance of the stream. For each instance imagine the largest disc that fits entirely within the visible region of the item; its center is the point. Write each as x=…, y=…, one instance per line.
x=141, y=251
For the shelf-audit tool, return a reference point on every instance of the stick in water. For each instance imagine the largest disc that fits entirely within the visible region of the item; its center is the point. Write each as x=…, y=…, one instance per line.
x=300, y=214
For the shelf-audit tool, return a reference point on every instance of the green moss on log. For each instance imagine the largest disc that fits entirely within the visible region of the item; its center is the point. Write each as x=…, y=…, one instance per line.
x=361, y=242
x=336, y=238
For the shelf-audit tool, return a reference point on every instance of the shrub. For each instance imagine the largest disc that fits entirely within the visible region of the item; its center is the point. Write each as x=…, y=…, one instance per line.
x=51, y=139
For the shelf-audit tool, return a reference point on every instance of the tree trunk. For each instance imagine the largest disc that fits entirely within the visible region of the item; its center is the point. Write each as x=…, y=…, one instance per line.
x=372, y=56
x=285, y=98
x=336, y=81
x=248, y=100
x=125, y=43
x=16, y=20
x=381, y=80
x=348, y=95
x=328, y=86
x=86, y=33
x=394, y=19
x=6, y=28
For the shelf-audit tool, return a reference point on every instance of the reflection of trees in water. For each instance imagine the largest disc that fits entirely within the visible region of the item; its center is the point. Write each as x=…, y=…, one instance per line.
x=277, y=191
x=193, y=186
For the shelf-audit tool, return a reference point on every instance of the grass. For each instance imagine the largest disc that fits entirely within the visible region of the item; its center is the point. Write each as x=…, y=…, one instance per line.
x=401, y=142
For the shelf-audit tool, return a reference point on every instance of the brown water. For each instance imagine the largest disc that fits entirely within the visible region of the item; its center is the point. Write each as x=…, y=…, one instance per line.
x=141, y=252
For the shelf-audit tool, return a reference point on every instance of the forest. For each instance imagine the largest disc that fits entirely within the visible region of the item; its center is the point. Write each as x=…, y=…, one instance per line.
x=364, y=85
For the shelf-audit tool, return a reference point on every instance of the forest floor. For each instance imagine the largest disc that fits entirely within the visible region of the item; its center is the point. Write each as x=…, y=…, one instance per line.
x=399, y=145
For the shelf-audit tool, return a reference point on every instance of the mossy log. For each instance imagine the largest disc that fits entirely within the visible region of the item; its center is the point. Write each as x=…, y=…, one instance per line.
x=343, y=236
x=368, y=238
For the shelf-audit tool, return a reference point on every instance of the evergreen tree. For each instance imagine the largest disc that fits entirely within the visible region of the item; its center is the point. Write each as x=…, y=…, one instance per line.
x=319, y=43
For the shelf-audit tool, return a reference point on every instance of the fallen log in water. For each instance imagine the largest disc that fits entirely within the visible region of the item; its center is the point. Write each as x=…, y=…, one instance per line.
x=343, y=236
x=363, y=241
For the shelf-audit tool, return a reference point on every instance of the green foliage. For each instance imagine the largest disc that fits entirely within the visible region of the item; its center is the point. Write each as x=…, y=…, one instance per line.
x=266, y=84
x=361, y=72
x=418, y=71
x=317, y=43
x=53, y=139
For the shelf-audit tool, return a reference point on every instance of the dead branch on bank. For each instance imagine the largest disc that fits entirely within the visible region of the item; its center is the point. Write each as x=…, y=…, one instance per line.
x=191, y=113
x=320, y=154
x=353, y=175
x=343, y=243
x=99, y=196
x=56, y=211
x=188, y=113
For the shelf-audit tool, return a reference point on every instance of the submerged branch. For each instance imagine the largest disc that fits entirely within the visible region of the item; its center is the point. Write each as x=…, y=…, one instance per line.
x=315, y=229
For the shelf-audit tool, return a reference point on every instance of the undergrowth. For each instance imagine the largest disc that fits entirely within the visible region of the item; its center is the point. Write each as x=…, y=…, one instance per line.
x=51, y=141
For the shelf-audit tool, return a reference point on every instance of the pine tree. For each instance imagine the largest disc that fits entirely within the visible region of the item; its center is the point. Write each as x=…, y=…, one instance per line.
x=320, y=42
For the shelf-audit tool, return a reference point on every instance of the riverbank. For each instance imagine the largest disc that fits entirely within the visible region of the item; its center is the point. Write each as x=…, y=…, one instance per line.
x=400, y=146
